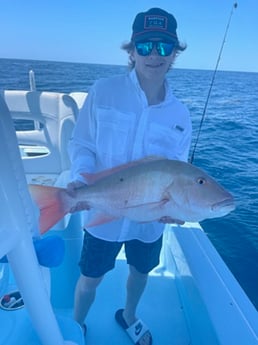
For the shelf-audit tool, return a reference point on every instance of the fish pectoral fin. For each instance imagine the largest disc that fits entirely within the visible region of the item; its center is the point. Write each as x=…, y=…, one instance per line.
x=100, y=218
x=149, y=205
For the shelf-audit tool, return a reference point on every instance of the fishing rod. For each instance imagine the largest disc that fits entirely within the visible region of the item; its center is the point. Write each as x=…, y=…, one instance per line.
x=212, y=81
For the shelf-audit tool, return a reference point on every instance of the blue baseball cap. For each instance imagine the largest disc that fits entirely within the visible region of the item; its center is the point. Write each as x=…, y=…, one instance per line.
x=154, y=23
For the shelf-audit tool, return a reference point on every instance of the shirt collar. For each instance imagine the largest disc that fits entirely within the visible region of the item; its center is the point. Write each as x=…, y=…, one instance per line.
x=134, y=79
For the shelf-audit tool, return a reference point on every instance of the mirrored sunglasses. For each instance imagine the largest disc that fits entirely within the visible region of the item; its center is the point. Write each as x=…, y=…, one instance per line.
x=163, y=48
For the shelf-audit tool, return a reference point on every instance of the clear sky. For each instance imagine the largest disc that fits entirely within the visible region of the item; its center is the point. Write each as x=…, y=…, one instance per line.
x=92, y=31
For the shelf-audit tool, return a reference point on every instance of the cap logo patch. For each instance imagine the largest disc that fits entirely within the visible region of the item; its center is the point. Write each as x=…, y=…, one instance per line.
x=155, y=22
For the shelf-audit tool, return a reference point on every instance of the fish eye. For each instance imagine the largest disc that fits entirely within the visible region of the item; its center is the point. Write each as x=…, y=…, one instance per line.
x=201, y=180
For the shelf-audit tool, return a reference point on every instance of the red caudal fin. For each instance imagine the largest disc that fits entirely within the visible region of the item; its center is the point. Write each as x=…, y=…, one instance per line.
x=51, y=202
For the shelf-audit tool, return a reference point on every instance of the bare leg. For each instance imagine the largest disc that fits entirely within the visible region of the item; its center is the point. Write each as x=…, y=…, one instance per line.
x=135, y=287
x=85, y=293
x=136, y=284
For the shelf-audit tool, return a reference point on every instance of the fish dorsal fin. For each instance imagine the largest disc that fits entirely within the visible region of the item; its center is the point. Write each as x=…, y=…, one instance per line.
x=91, y=178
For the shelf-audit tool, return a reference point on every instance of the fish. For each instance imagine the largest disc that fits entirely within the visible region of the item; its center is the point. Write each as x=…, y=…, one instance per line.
x=146, y=190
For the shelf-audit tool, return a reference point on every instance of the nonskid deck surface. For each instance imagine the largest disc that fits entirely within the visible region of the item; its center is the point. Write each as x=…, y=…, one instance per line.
x=159, y=308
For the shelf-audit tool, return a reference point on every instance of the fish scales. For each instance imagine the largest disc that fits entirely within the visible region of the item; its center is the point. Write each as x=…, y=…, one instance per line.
x=141, y=191
x=129, y=188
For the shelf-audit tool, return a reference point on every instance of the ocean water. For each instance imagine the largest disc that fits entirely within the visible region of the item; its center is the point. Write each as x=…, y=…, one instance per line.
x=227, y=147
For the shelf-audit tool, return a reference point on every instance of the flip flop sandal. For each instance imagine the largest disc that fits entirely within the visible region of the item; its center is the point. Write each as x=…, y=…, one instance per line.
x=136, y=331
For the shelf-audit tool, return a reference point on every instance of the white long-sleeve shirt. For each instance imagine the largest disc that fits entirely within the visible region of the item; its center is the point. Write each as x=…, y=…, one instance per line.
x=116, y=125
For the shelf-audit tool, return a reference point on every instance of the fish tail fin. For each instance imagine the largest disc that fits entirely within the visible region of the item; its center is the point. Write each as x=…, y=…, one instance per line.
x=52, y=205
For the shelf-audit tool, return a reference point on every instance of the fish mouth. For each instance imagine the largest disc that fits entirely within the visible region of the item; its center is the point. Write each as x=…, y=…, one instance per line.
x=227, y=204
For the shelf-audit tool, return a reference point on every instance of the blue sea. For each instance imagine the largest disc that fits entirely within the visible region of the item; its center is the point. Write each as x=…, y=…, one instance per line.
x=227, y=147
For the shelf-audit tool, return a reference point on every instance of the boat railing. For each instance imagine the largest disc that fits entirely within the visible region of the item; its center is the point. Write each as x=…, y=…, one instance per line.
x=205, y=284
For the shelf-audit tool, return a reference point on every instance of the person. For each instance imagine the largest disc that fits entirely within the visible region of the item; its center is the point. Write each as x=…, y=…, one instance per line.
x=125, y=118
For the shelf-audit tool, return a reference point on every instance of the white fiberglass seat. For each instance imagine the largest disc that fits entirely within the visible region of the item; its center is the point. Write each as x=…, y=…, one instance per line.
x=49, y=118
x=79, y=98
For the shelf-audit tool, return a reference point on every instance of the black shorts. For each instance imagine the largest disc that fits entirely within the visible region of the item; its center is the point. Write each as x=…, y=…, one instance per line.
x=98, y=256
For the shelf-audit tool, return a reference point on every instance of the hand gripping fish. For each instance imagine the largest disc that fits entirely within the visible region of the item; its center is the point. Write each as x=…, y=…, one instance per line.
x=142, y=191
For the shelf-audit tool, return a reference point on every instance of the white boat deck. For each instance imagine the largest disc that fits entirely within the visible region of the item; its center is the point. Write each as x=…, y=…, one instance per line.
x=160, y=309
x=185, y=302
